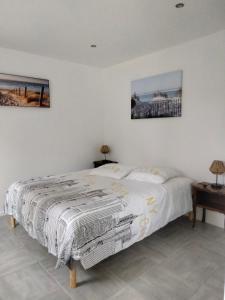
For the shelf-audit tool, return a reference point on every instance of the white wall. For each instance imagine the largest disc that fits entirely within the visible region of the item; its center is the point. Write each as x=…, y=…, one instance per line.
x=189, y=143
x=38, y=141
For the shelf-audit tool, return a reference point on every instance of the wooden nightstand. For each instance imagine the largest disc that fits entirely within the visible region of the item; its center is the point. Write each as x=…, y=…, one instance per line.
x=203, y=195
x=100, y=163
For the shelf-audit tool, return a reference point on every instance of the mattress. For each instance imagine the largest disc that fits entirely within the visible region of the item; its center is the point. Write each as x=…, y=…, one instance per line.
x=89, y=218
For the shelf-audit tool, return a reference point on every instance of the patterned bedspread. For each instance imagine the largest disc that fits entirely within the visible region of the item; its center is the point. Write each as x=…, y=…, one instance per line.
x=88, y=217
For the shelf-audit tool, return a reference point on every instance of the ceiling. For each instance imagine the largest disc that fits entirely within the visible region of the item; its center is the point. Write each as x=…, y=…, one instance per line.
x=122, y=29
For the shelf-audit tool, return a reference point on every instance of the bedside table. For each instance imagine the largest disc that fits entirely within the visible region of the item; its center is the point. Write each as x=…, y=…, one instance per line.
x=203, y=195
x=100, y=163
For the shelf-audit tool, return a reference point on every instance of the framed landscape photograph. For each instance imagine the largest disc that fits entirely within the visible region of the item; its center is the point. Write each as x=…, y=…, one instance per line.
x=157, y=96
x=24, y=91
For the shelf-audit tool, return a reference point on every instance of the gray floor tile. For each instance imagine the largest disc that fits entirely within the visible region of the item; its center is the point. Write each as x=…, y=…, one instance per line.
x=164, y=280
x=176, y=236
x=7, y=244
x=193, y=264
x=147, y=290
x=95, y=283
x=57, y=295
x=217, y=280
x=128, y=294
x=170, y=289
x=217, y=247
x=28, y=283
x=4, y=223
x=141, y=249
x=158, y=245
x=206, y=293
x=34, y=248
x=209, y=230
x=15, y=259
x=175, y=263
x=60, y=275
x=128, y=264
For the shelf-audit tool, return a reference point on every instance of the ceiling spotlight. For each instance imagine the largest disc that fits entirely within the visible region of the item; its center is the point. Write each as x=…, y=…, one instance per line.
x=93, y=46
x=179, y=5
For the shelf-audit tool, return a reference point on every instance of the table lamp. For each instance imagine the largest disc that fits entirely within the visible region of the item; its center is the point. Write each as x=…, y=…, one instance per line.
x=218, y=168
x=105, y=150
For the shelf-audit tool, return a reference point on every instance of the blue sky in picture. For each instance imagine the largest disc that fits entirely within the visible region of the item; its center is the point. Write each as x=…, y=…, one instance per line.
x=161, y=82
x=5, y=84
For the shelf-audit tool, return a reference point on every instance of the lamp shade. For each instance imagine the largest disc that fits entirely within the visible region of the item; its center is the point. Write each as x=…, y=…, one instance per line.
x=104, y=149
x=217, y=167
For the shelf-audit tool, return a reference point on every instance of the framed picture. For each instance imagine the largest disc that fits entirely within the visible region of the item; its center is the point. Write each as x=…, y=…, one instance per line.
x=24, y=91
x=157, y=96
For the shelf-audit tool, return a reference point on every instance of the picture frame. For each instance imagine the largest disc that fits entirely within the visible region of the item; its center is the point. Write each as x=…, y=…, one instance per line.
x=24, y=91
x=158, y=96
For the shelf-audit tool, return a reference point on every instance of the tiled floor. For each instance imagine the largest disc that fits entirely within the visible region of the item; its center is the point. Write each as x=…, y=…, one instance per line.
x=176, y=263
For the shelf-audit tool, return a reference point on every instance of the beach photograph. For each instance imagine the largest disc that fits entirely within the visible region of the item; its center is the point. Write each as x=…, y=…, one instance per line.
x=158, y=96
x=24, y=91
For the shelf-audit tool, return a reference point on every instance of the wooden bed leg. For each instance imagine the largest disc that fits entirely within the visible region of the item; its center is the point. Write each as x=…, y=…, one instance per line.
x=190, y=216
x=72, y=274
x=12, y=222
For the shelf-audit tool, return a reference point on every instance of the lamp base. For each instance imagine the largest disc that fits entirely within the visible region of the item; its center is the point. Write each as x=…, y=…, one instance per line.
x=217, y=186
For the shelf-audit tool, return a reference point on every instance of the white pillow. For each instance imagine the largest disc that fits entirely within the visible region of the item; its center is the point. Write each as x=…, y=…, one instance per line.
x=116, y=171
x=154, y=175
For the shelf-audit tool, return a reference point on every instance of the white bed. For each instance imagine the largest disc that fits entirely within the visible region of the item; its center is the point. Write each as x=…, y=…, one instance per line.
x=86, y=217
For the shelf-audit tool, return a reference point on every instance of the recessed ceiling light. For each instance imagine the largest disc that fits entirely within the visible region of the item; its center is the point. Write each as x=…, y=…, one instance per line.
x=93, y=46
x=179, y=5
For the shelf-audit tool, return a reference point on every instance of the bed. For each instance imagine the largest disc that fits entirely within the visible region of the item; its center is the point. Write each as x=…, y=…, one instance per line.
x=84, y=217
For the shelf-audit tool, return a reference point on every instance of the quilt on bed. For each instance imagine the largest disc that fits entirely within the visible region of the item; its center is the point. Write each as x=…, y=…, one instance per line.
x=87, y=217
